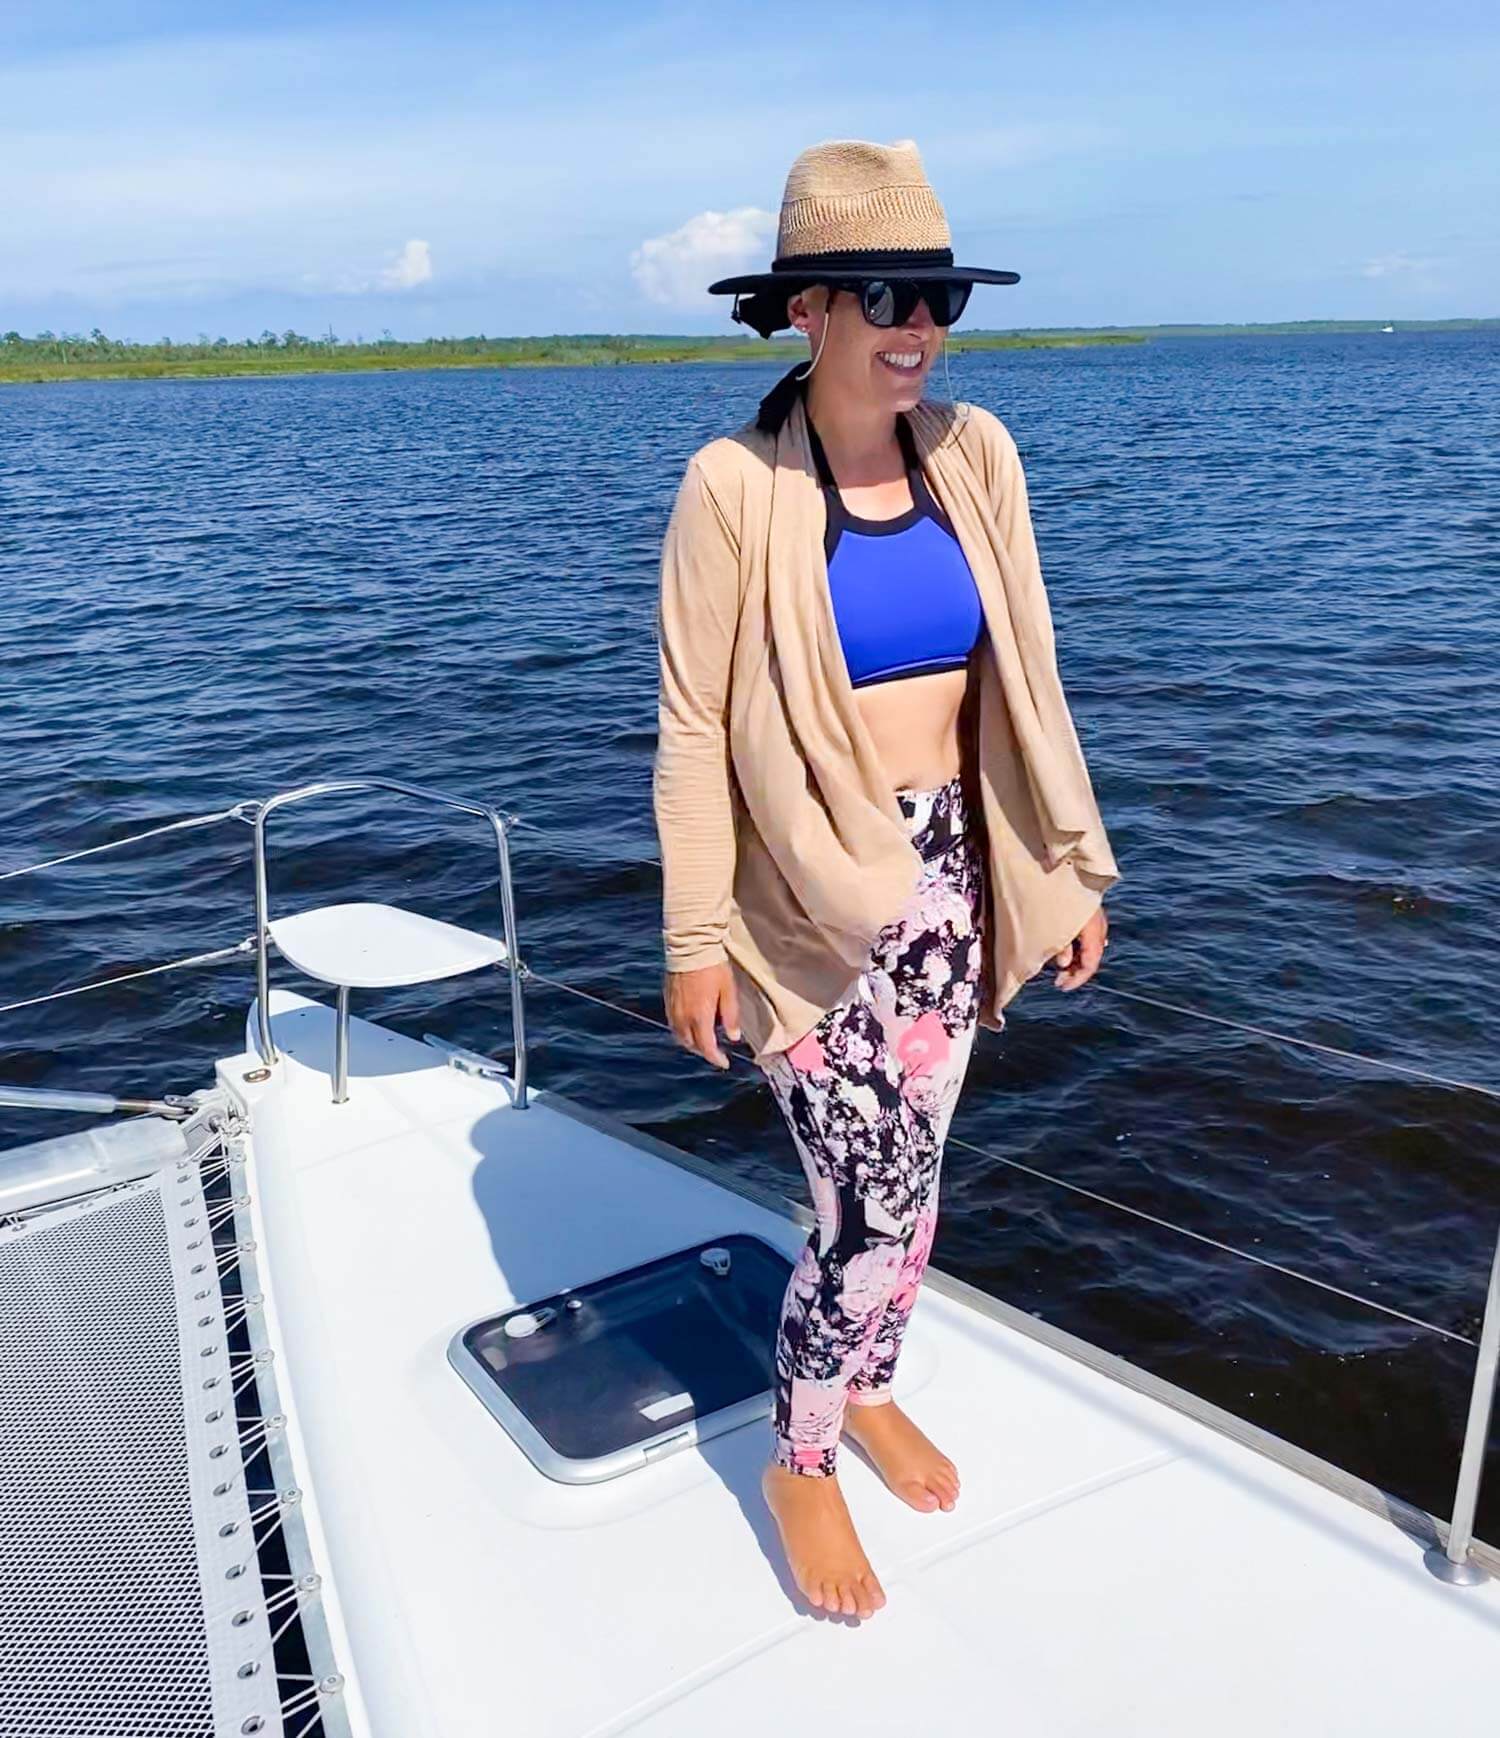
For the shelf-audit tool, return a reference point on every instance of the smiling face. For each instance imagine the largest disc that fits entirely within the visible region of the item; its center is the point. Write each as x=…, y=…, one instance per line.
x=883, y=367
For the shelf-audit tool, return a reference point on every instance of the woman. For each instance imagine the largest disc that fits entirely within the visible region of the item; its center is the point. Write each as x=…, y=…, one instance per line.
x=875, y=817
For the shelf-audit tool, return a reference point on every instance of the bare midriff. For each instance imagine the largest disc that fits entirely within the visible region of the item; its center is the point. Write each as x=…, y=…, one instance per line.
x=914, y=721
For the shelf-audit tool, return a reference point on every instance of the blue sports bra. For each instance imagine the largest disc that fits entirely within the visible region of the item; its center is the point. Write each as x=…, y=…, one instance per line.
x=903, y=596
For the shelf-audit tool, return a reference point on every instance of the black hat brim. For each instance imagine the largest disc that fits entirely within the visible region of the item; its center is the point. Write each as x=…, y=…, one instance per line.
x=765, y=294
x=752, y=283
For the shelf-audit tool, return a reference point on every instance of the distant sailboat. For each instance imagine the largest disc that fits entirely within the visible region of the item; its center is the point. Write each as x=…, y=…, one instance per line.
x=1387, y=328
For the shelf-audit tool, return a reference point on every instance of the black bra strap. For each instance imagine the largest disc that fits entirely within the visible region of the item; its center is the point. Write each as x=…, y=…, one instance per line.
x=820, y=458
x=908, y=447
x=908, y=454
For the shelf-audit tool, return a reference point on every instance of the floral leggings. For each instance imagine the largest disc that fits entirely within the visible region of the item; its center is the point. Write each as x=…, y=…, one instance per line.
x=868, y=1094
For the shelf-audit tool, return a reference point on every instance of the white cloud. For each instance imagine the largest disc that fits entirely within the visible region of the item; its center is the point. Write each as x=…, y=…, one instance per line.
x=404, y=271
x=675, y=270
x=1398, y=265
x=412, y=266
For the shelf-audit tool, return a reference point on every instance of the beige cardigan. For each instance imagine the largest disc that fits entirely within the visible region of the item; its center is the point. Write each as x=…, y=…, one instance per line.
x=783, y=847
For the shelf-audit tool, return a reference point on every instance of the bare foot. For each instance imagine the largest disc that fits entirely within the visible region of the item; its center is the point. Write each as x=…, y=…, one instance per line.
x=907, y=1461
x=827, y=1560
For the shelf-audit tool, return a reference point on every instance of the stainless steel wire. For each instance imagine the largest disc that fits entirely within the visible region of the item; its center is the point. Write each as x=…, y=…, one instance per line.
x=1215, y=1243
x=1198, y=1013
x=588, y=996
x=247, y=812
x=236, y=812
x=1306, y=1043
x=1376, y=1304
x=196, y=959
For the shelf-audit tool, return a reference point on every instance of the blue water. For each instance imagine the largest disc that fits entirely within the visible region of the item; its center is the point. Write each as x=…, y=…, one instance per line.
x=1274, y=565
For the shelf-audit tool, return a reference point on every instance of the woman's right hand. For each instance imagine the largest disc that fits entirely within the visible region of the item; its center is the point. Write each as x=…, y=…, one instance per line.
x=695, y=1001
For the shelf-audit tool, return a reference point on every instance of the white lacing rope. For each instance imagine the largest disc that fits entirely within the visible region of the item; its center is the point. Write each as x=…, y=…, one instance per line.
x=297, y=1692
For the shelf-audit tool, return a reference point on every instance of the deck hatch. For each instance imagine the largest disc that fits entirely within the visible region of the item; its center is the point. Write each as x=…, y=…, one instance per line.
x=595, y=1379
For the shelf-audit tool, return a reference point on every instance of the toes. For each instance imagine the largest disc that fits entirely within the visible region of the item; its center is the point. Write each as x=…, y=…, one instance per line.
x=873, y=1592
x=944, y=1477
x=847, y=1602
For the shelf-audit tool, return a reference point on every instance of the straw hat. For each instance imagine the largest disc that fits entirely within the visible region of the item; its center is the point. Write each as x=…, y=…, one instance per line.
x=852, y=210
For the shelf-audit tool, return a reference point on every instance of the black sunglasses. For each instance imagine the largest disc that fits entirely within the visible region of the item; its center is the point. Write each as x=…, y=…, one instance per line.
x=893, y=301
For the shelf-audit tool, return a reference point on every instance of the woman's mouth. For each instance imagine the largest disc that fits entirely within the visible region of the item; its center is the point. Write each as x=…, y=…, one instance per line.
x=906, y=362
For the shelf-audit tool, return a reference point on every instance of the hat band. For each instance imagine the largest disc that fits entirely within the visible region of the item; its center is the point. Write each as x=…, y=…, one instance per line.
x=858, y=259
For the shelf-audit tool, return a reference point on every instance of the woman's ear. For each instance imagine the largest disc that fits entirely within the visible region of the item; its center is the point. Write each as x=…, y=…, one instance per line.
x=803, y=308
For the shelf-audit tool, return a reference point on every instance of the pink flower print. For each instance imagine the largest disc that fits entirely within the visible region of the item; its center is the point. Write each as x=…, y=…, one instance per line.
x=935, y=908
x=817, y=1411
x=923, y=1047
x=825, y=1197
x=805, y=1276
x=807, y=1053
x=868, y=1278
x=910, y=1282
x=937, y=971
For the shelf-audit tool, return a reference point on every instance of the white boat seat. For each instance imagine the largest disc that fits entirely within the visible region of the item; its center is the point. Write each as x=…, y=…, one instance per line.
x=376, y=947
x=366, y=946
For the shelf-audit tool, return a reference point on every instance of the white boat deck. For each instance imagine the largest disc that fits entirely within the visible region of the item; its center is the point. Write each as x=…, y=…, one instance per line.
x=1112, y=1567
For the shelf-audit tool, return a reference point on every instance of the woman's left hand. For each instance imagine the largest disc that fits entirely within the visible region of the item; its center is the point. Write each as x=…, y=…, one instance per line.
x=1079, y=960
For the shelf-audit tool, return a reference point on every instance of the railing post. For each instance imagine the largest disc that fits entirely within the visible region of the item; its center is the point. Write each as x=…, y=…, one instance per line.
x=1454, y=1564
x=341, y=1046
x=268, y=1052
x=513, y=954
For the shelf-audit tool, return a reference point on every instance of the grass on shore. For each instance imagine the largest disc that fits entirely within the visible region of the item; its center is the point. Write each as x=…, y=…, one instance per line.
x=71, y=356
x=48, y=359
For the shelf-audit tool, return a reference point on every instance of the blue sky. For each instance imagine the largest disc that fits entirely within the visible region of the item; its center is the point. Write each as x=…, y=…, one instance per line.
x=178, y=169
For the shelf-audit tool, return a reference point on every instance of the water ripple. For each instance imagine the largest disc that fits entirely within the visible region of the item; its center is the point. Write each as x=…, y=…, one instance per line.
x=1272, y=564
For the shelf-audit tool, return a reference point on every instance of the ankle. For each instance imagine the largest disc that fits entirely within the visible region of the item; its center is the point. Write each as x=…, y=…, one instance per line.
x=797, y=1477
x=870, y=1411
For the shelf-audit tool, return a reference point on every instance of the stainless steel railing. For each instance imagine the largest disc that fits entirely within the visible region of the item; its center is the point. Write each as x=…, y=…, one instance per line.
x=498, y=823
x=1453, y=1562
x=255, y=815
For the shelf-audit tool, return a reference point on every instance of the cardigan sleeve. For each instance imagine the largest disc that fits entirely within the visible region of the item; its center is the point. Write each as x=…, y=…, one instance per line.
x=1012, y=504
x=1093, y=859
x=696, y=622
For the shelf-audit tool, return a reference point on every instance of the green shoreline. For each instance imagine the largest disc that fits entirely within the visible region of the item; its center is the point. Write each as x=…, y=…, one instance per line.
x=49, y=358
x=85, y=361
